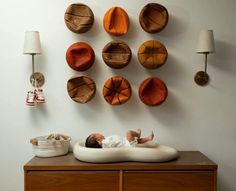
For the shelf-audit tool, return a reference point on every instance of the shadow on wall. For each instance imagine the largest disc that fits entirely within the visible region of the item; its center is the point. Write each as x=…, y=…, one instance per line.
x=95, y=71
x=169, y=112
x=130, y=110
x=131, y=72
x=92, y=108
x=224, y=182
x=174, y=28
x=225, y=53
x=92, y=34
x=132, y=34
x=98, y=105
x=172, y=73
x=37, y=112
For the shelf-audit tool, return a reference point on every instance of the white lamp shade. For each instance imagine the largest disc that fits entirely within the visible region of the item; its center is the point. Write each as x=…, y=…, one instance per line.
x=32, y=43
x=206, y=42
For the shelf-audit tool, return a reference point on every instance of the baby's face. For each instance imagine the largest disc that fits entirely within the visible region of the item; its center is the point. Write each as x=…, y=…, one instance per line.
x=99, y=137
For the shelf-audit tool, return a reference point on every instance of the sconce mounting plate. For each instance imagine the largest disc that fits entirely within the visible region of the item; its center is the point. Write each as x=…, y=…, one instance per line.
x=201, y=78
x=37, y=79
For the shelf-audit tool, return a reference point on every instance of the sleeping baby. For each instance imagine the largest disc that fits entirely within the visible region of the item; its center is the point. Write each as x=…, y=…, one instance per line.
x=132, y=138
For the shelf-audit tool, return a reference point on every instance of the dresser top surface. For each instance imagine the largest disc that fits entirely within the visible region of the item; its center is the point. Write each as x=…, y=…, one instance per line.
x=187, y=160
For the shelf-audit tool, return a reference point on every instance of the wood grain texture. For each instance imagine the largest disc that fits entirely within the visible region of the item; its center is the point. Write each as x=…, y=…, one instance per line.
x=169, y=181
x=79, y=18
x=192, y=171
x=72, y=181
x=81, y=89
x=152, y=54
x=116, y=54
x=188, y=160
x=117, y=90
x=153, y=18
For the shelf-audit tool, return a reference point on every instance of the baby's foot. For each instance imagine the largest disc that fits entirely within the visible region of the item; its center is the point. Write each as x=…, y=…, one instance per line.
x=151, y=136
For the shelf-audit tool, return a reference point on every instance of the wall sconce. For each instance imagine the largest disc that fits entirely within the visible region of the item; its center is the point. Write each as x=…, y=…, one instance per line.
x=32, y=46
x=205, y=46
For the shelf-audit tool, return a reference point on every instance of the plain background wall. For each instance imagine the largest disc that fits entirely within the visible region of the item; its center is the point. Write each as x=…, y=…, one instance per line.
x=192, y=118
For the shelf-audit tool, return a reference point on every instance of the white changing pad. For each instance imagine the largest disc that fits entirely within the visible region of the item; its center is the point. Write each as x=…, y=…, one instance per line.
x=148, y=152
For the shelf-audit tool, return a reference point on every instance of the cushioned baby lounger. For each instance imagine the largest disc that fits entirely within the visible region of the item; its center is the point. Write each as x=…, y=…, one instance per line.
x=148, y=152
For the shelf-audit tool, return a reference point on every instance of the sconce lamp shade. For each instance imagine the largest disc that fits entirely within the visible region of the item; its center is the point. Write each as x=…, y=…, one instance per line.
x=206, y=42
x=32, y=43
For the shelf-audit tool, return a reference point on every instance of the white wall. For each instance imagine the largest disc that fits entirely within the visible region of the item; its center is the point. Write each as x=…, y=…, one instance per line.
x=192, y=118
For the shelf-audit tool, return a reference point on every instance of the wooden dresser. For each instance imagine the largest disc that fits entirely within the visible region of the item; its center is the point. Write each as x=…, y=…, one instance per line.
x=192, y=171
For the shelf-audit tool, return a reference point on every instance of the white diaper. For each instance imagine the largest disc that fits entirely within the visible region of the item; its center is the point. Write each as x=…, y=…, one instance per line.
x=117, y=141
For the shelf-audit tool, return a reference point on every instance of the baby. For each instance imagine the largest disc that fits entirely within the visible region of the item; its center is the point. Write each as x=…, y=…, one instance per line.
x=97, y=140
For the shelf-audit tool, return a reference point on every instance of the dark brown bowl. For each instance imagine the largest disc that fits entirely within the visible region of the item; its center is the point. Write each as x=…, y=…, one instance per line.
x=116, y=54
x=153, y=18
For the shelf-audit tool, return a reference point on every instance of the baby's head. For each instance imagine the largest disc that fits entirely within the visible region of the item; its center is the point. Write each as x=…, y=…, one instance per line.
x=94, y=140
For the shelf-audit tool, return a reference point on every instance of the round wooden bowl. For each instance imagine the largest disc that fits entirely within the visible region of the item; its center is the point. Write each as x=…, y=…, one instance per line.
x=79, y=18
x=153, y=18
x=116, y=54
x=81, y=89
x=152, y=54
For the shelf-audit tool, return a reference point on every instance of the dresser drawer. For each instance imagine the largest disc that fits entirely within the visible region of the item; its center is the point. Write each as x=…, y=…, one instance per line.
x=169, y=181
x=72, y=180
x=192, y=171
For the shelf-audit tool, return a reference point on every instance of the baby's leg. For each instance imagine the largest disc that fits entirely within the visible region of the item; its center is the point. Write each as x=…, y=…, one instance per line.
x=132, y=135
x=146, y=139
x=139, y=132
